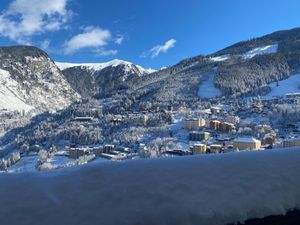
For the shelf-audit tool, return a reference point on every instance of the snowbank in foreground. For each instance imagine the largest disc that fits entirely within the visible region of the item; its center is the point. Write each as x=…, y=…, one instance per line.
x=211, y=189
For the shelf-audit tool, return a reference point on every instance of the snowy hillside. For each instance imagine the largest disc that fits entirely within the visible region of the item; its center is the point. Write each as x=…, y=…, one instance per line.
x=30, y=80
x=283, y=87
x=206, y=190
x=101, y=66
x=220, y=58
x=102, y=79
x=11, y=97
x=207, y=88
x=261, y=50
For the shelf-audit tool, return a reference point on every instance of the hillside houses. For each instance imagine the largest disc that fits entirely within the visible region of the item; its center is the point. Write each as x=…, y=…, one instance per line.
x=291, y=142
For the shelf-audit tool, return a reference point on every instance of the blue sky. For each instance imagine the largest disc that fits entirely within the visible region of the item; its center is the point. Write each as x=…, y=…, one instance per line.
x=152, y=33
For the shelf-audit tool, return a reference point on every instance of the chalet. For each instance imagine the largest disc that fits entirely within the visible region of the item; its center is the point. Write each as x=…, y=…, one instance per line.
x=246, y=144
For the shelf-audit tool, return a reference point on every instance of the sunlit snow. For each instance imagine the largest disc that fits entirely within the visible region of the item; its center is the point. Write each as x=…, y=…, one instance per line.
x=220, y=58
x=101, y=66
x=208, y=189
x=207, y=88
x=261, y=50
x=290, y=85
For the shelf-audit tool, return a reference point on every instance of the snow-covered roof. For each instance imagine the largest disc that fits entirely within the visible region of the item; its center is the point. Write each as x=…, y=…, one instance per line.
x=180, y=190
x=246, y=139
x=199, y=132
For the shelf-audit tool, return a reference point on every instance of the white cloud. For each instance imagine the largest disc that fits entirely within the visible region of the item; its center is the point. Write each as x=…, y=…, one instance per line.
x=45, y=45
x=155, y=51
x=119, y=39
x=91, y=37
x=24, y=19
x=104, y=52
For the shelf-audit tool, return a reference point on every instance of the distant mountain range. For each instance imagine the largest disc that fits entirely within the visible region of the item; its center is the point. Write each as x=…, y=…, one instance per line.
x=30, y=80
x=101, y=79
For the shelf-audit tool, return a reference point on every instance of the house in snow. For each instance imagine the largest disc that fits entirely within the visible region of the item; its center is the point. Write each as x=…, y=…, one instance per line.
x=246, y=144
x=226, y=127
x=194, y=123
x=199, y=136
x=198, y=149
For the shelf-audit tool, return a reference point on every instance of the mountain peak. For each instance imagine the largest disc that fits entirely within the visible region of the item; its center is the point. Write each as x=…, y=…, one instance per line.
x=101, y=66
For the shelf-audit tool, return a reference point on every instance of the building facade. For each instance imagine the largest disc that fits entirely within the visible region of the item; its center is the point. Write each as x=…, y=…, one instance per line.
x=246, y=144
x=194, y=124
x=199, y=136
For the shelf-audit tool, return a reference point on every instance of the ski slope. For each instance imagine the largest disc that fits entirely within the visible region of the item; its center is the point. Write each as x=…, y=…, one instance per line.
x=208, y=189
x=261, y=50
x=220, y=58
x=290, y=85
x=207, y=88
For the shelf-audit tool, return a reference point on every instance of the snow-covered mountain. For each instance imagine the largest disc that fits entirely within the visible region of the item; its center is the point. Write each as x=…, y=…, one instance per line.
x=29, y=80
x=102, y=79
x=100, y=66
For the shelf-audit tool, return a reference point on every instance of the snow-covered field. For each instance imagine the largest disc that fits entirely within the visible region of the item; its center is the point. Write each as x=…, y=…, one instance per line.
x=261, y=50
x=207, y=88
x=207, y=189
x=290, y=85
x=28, y=164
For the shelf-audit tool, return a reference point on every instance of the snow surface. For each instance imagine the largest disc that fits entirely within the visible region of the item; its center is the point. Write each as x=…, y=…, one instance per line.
x=290, y=85
x=101, y=66
x=244, y=139
x=220, y=58
x=10, y=94
x=207, y=88
x=261, y=50
x=28, y=163
x=43, y=89
x=207, y=189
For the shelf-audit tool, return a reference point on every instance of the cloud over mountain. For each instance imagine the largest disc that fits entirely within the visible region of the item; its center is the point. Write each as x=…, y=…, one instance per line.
x=156, y=50
x=20, y=21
